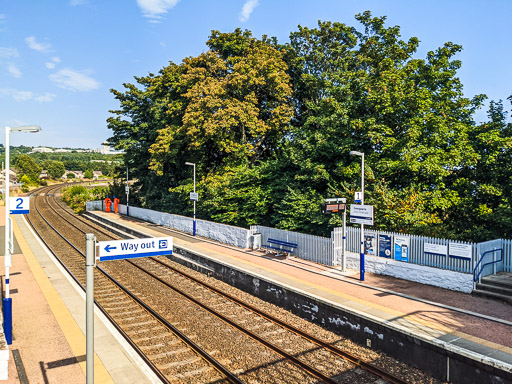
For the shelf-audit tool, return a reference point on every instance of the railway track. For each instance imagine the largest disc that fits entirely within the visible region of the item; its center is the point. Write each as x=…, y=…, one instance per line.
x=154, y=304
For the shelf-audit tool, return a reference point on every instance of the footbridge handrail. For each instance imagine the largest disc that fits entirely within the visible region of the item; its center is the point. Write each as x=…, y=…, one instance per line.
x=477, y=276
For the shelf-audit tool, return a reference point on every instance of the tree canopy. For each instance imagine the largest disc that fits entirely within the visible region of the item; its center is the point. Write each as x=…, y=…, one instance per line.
x=270, y=127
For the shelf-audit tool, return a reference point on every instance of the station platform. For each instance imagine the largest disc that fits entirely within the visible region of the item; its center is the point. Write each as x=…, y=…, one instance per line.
x=49, y=342
x=458, y=326
x=49, y=311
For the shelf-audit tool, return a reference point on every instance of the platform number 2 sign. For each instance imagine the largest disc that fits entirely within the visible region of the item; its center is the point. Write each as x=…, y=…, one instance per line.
x=19, y=205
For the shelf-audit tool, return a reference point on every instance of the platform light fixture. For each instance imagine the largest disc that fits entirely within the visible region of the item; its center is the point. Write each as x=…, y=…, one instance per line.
x=9, y=241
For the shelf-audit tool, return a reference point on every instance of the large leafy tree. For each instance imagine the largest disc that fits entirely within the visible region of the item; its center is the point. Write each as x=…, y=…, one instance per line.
x=26, y=166
x=270, y=128
x=136, y=124
x=237, y=105
x=365, y=91
x=486, y=186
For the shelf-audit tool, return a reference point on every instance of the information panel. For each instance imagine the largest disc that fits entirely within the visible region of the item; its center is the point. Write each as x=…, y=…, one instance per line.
x=132, y=248
x=460, y=250
x=385, y=242
x=435, y=249
x=361, y=214
x=402, y=248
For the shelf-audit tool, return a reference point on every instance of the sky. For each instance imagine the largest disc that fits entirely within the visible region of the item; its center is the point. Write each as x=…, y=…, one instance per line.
x=59, y=59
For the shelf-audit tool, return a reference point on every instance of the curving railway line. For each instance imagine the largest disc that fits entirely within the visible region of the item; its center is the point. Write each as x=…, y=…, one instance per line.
x=189, y=330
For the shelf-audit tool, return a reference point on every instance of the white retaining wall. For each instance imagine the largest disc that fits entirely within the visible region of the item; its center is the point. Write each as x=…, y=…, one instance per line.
x=242, y=238
x=227, y=234
x=456, y=281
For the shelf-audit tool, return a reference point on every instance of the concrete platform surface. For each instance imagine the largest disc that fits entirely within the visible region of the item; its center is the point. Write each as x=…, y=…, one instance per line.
x=49, y=324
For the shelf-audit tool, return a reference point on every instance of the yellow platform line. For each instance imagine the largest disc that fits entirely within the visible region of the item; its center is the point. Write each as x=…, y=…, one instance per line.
x=71, y=330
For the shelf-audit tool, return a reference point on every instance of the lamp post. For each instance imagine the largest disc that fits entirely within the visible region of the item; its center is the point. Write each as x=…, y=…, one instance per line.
x=361, y=260
x=127, y=194
x=9, y=242
x=194, y=165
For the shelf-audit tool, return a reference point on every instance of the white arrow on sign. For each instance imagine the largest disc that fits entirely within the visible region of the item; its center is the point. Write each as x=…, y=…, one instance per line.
x=132, y=248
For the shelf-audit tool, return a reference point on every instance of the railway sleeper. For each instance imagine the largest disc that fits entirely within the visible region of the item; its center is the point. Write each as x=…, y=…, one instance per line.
x=169, y=354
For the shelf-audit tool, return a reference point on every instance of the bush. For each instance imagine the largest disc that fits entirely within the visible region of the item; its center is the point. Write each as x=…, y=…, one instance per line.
x=77, y=196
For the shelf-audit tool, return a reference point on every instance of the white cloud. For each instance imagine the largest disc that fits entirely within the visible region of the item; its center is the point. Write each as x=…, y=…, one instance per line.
x=33, y=44
x=17, y=95
x=46, y=98
x=14, y=70
x=247, y=9
x=74, y=80
x=51, y=64
x=7, y=53
x=153, y=9
x=21, y=96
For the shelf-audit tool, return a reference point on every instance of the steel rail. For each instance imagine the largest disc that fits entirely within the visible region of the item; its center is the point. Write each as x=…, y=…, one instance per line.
x=203, y=354
x=345, y=355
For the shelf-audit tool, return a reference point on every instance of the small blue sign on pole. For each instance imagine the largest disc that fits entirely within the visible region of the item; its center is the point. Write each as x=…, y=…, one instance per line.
x=132, y=248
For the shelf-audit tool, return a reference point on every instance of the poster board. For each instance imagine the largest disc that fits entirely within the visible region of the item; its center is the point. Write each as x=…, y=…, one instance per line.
x=370, y=244
x=385, y=246
x=435, y=249
x=462, y=251
x=402, y=247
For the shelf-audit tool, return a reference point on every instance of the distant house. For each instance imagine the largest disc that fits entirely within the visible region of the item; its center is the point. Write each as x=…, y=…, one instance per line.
x=96, y=175
x=78, y=174
x=13, y=176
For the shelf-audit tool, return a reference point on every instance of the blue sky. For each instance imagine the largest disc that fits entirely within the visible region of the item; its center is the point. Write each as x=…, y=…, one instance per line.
x=60, y=58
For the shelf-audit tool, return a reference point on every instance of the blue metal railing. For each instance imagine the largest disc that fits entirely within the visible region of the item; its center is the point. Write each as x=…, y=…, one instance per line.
x=477, y=276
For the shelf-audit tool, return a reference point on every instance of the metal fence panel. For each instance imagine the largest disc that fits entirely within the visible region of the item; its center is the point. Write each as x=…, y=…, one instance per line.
x=417, y=254
x=309, y=247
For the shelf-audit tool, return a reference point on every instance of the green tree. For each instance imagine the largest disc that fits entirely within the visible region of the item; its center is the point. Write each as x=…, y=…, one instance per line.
x=365, y=91
x=55, y=168
x=25, y=165
x=88, y=174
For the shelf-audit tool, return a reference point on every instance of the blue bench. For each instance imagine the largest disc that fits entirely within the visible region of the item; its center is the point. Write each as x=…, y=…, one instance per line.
x=280, y=246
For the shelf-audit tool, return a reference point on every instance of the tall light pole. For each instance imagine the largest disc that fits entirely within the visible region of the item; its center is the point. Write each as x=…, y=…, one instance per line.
x=361, y=260
x=195, y=196
x=9, y=242
x=127, y=193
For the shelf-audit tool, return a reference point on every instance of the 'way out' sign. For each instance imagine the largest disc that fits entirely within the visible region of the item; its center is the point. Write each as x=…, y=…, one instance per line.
x=131, y=248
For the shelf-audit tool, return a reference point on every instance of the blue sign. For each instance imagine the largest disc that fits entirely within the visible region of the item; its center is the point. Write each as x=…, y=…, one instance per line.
x=385, y=246
x=402, y=248
x=132, y=248
x=19, y=205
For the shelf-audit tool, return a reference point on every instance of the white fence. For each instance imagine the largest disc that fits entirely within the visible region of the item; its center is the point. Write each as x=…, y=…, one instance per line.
x=416, y=249
x=327, y=251
x=227, y=234
x=315, y=248
x=506, y=245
